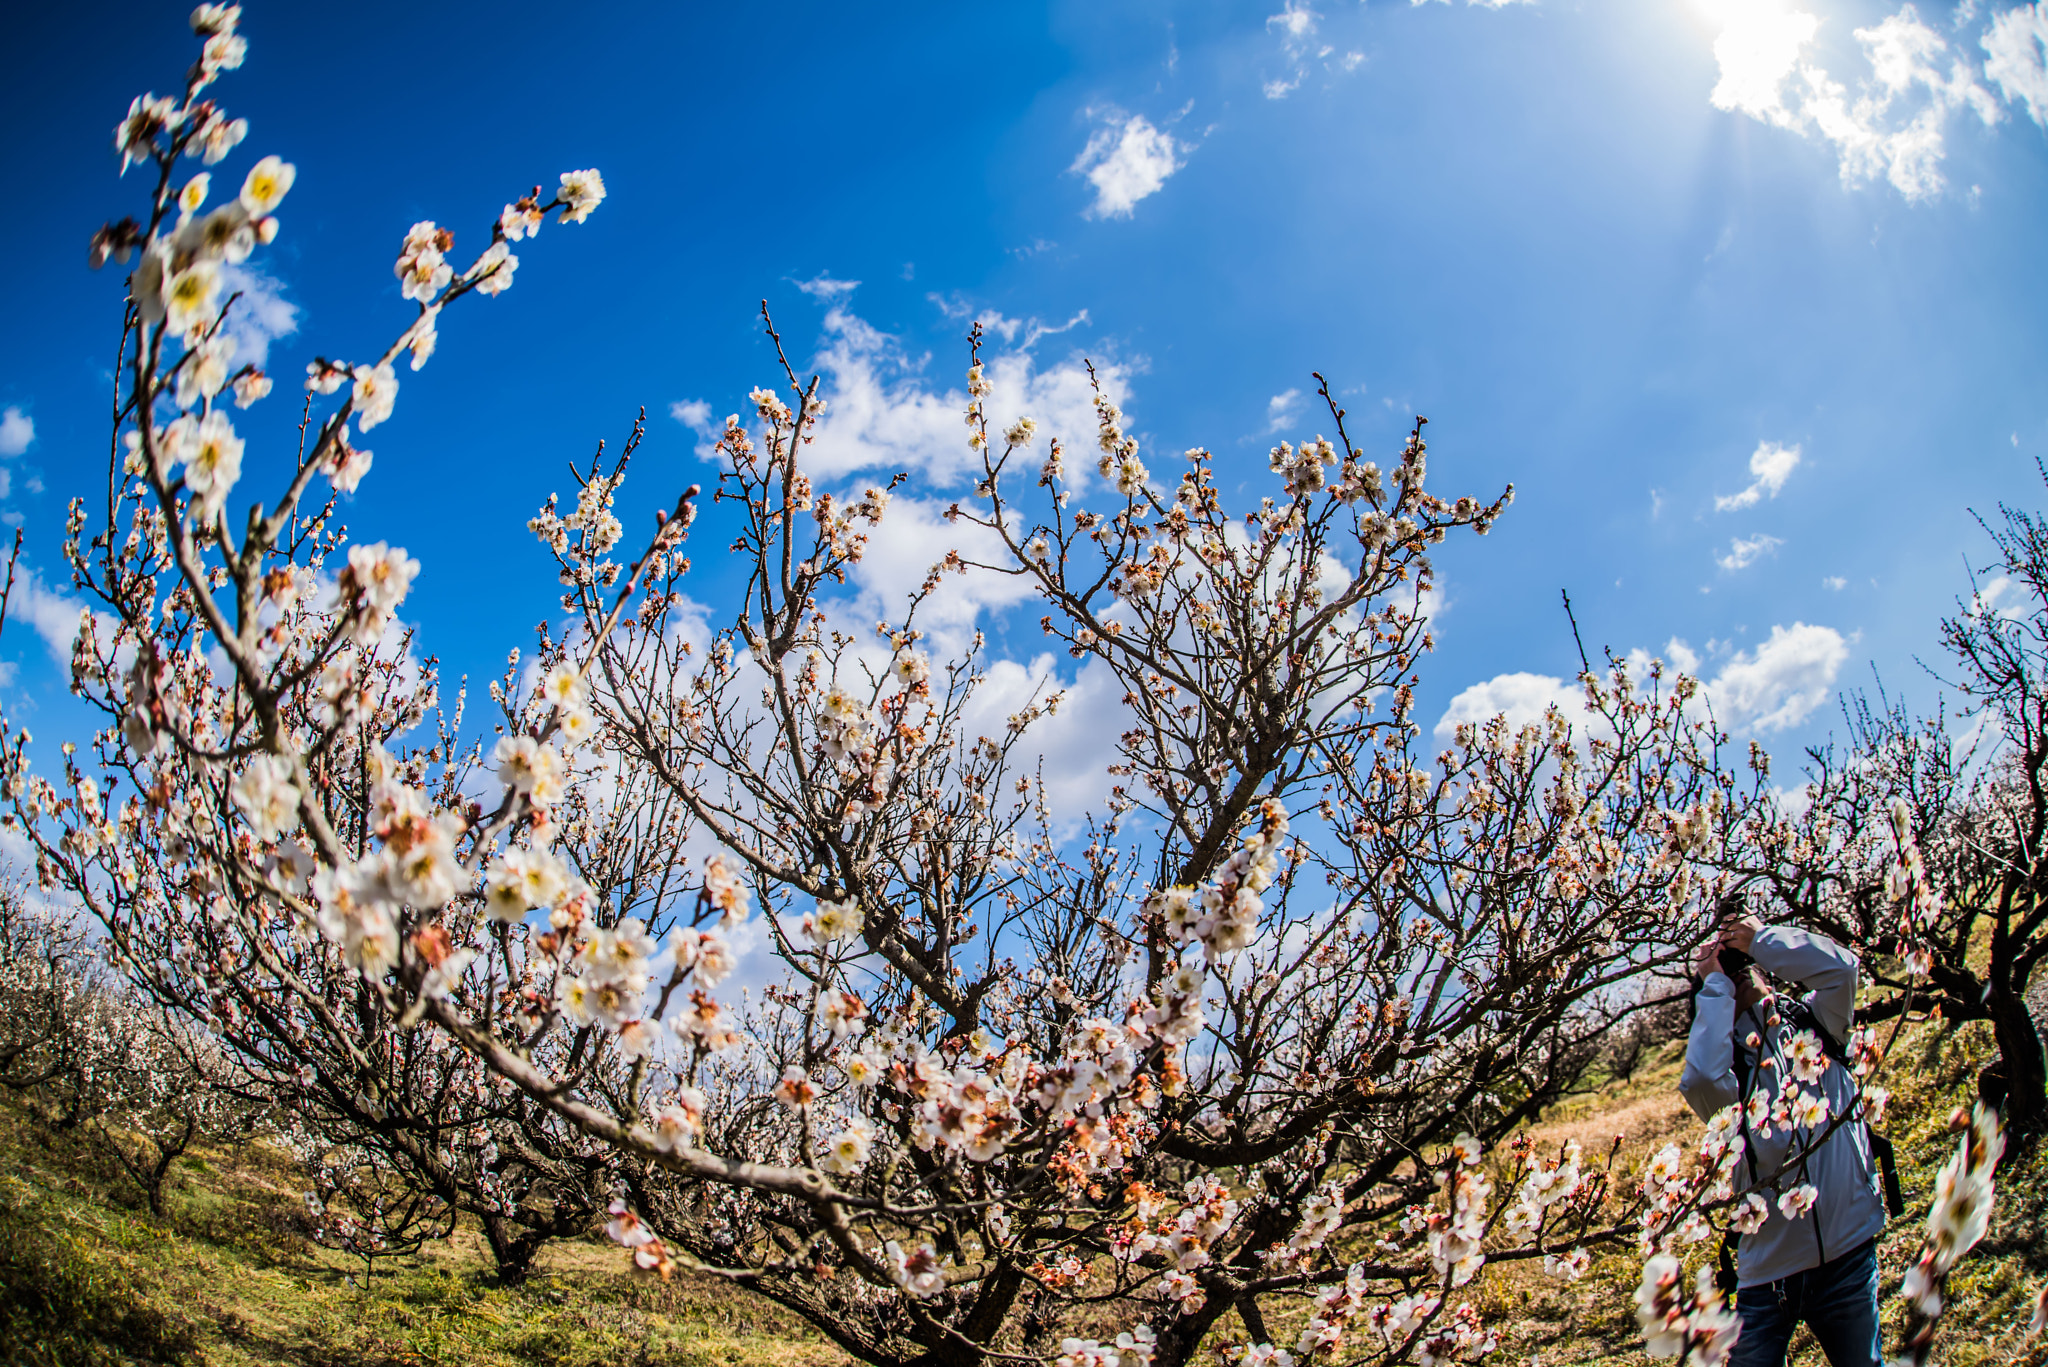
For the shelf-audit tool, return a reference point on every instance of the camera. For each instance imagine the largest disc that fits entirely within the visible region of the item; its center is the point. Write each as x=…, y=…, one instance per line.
x=1735, y=962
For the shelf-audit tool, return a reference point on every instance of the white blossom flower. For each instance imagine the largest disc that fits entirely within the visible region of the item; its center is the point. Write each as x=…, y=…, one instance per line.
x=841, y=1013
x=205, y=370
x=681, y=1121
x=916, y=1270
x=1749, y=1216
x=223, y=52
x=355, y=914
x=250, y=386
x=423, y=869
x=194, y=193
x=581, y=192
x=217, y=137
x=562, y=687
x=836, y=921
x=382, y=574
x=267, y=796
x=210, y=20
x=724, y=889
x=864, y=1068
x=493, y=270
x=638, y=1038
x=848, y=1150
x=521, y=220
x=191, y=298
x=795, y=1090
x=530, y=766
x=147, y=116
x=376, y=390
x=267, y=184
x=575, y=726
x=1567, y=1266
x=212, y=455
x=346, y=465
x=1796, y=1202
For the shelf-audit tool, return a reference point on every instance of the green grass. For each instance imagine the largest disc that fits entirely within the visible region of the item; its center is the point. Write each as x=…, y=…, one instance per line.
x=87, y=1278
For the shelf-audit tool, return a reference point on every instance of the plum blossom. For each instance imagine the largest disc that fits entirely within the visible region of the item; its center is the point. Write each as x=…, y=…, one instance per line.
x=581, y=192
x=493, y=270
x=915, y=1269
x=355, y=914
x=192, y=296
x=212, y=456
x=267, y=796
x=724, y=889
x=847, y=1151
x=376, y=390
x=532, y=767
x=836, y=921
x=268, y=181
x=205, y=370
x=249, y=386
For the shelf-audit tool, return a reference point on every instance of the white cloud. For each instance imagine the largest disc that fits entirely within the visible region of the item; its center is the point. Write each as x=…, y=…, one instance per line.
x=1297, y=21
x=261, y=316
x=1521, y=697
x=1282, y=410
x=915, y=537
x=1743, y=551
x=695, y=414
x=54, y=614
x=1893, y=126
x=1296, y=24
x=884, y=414
x=1772, y=465
x=17, y=430
x=1775, y=687
x=1125, y=160
x=824, y=287
x=1782, y=682
x=2016, y=45
x=1074, y=746
x=1835, y=583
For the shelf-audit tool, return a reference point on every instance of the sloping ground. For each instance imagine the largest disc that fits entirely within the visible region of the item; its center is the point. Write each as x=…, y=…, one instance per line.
x=89, y=1280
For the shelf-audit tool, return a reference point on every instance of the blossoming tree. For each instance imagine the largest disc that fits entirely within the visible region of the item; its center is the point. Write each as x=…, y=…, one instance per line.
x=1217, y=1064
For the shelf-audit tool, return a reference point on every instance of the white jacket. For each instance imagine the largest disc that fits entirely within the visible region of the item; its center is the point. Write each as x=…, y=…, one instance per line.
x=1849, y=1209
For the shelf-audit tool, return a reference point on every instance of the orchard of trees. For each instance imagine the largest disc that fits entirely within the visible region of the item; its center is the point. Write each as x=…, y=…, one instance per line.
x=1259, y=1040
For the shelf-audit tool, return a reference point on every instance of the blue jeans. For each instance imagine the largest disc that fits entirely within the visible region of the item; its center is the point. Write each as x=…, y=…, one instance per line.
x=1837, y=1300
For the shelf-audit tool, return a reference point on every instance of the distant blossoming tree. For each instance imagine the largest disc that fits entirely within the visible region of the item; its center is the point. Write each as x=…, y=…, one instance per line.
x=1217, y=1065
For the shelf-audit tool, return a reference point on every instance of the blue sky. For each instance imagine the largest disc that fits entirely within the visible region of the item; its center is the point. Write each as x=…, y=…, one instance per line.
x=1745, y=297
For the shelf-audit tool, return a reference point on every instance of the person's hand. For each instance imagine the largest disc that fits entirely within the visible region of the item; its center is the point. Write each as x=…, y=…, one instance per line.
x=1709, y=960
x=1741, y=934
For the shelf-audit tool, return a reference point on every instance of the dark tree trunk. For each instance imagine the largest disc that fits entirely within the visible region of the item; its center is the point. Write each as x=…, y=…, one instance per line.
x=2022, y=1069
x=1180, y=1338
x=513, y=1247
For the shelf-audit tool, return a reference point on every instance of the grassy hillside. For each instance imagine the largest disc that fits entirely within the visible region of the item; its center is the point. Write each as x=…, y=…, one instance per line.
x=88, y=1278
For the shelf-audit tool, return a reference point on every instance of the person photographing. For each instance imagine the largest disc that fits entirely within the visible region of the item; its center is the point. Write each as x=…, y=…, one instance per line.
x=1815, y=1265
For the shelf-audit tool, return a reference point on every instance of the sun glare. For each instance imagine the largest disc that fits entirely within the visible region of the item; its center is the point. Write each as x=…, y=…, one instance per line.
x=1757, y=45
